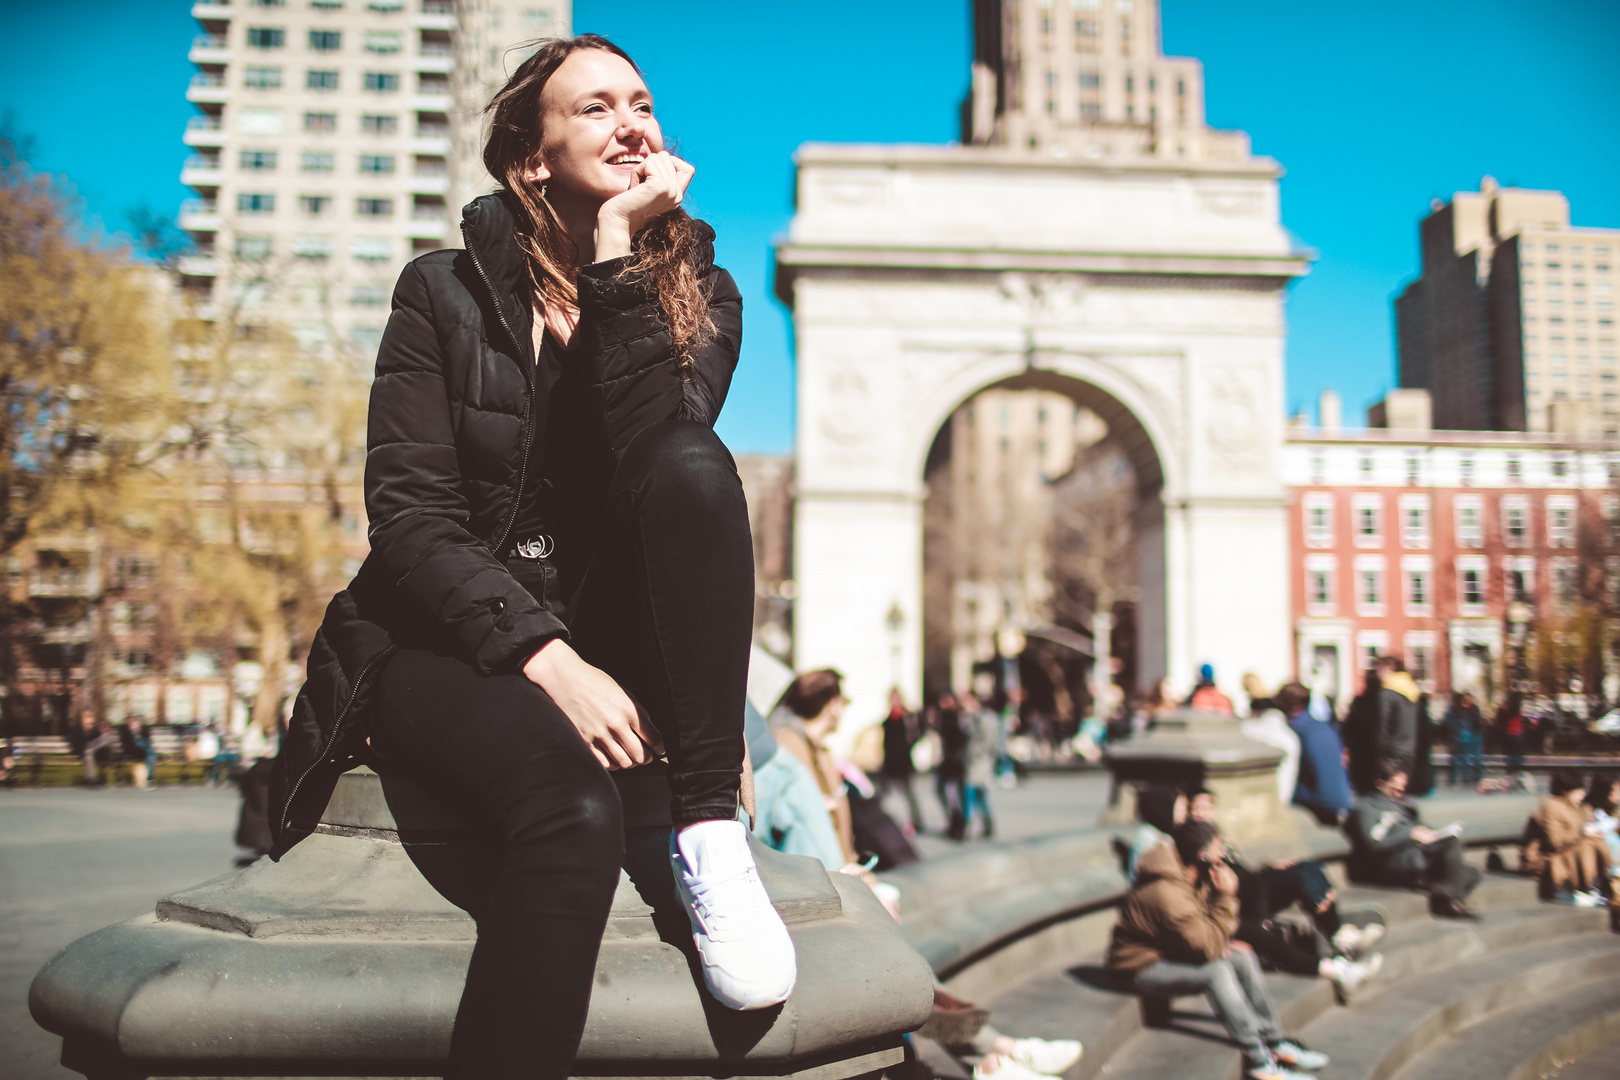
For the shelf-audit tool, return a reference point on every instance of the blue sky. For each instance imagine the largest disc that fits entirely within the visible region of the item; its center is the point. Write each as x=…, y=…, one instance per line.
x=1373, y=108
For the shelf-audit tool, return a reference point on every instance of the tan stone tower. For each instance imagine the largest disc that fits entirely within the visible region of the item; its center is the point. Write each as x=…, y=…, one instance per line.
x=1511, y=325
x=1087, y=78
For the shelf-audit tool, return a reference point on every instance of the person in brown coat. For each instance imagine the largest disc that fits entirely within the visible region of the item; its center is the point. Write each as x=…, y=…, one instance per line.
x=1174, y=938
x=1571, y=859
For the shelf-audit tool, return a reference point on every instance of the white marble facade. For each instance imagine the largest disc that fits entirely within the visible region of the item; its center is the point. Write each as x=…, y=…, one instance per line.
x=1150, y=291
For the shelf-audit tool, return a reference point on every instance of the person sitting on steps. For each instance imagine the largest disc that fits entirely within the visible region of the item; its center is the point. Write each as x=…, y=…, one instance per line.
x=1390, y=845
x=1564, y=847
x=1342, y=951
x=1174, y=938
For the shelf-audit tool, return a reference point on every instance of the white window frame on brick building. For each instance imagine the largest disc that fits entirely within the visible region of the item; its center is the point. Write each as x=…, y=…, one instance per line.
x=1317, y=507
x=1417, y=584
x=1525, y=567
x=1321, y=578
x=1370, y=645
x=1414, y=511
x=1362, y=504
x=1372, y=586
x=1516, y=508
x=1419, y=651
x=1470, y=534
x=1561, y=516
x=1479, y=567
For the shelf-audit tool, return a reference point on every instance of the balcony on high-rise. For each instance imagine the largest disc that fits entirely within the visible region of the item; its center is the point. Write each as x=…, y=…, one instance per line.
x=432, y=135
x=211, y=11
x=202, y=171
x=200, y=215
x=207, y=88
x=209, y=49
x=204, y=129
x=432, y=92
x=429, y=176
x=436, y=15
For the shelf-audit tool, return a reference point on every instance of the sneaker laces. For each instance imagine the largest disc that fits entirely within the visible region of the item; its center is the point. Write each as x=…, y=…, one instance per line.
x=726, y=921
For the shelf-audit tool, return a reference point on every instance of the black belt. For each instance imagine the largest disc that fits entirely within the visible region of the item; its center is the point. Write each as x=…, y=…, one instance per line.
x=536, y=547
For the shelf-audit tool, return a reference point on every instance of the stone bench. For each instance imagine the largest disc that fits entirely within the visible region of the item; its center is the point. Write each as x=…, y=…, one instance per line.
x=341, y=960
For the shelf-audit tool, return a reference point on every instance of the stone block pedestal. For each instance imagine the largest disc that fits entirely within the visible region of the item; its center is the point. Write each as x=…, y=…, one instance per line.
x=342, y=961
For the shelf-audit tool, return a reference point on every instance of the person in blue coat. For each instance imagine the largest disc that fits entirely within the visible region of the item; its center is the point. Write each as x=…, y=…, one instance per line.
x=1323, y=786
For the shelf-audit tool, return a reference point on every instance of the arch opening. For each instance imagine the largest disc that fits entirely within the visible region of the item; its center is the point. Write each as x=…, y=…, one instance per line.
x=1044, y=541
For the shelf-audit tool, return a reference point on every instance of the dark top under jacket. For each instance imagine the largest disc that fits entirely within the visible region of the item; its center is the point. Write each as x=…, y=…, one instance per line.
x=455, y=408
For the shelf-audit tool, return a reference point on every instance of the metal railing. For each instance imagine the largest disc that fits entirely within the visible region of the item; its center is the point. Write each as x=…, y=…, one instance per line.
x=199, y=206
x=205, y=122
x=202, y=161
x=207, y=78
x=208, y=41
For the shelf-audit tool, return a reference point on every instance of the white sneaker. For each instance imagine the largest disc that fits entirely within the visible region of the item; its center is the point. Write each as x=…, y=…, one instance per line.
x=1590, y=898
x=1049, y=1057
x=748, y=957
x=1295, y=1056
x=1006, y=1068
x=1353, y=940
x=1272, y=1070
x=1347, y=976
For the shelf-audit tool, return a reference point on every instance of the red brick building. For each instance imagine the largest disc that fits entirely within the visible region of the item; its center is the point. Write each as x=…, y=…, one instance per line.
x=1480, y=558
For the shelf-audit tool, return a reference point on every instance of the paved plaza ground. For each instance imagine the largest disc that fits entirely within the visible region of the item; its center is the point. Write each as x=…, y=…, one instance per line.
x=74, y=860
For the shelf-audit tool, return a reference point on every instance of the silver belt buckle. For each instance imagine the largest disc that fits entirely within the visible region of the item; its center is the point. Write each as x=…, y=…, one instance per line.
x=537, y=548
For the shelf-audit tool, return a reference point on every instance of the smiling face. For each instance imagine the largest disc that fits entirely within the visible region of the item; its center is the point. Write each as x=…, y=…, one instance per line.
x=598, y=124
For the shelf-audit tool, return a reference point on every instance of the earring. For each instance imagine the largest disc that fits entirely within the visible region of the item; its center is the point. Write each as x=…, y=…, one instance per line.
x=542, y=191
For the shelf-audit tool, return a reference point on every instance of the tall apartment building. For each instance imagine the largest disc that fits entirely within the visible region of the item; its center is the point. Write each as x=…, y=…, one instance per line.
x=1511, y=325
x=335, y=140
x=1088, y=79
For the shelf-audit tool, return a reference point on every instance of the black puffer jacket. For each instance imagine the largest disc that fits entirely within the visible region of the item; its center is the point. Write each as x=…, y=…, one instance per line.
x=453, y=411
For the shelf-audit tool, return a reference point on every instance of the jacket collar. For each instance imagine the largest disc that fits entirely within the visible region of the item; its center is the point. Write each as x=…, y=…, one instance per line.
x=489, y=225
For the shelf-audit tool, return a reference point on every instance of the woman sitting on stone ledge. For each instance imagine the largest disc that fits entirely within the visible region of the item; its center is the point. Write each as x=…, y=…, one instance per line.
x=559, y=593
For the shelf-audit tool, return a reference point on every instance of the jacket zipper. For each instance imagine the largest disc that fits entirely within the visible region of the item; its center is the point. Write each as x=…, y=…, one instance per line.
x=337, y=729
x=528, y=375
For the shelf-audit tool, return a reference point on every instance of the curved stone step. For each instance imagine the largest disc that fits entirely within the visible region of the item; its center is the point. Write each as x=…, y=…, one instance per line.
x=1076, y=1003
x=1528, y=1040
x=1379, y=1035
x=1597, y=1063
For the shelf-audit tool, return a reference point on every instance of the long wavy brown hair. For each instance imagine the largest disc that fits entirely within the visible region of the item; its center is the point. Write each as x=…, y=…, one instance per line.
x=665, y=249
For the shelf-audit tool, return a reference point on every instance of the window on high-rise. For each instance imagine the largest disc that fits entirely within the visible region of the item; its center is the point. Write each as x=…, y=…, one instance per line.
x=320, y=122
x=253, y=247
x=376, y=163
x=1471, y=587
x=325, y=40
x=1560, y=523
x=315, y=205
x=382, y=82
x=265, y=37
x=316, y=162
x=326, y=5
x=368, y=296
x=383, y=41
x=321, y=80
x=250, y=203
x=1514, y=472
x=1090, y=80
x=258, y=160
x=374, y=207
x=264, y=78
x=379, y=124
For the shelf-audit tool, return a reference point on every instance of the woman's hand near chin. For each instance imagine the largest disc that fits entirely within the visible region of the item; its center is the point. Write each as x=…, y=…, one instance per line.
x=657, y=187
x=607, y=719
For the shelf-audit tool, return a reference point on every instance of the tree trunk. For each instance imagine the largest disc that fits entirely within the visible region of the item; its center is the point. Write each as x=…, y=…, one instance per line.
x=273, y=662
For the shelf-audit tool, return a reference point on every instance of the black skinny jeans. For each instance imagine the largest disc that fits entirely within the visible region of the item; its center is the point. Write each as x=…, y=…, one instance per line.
x=666, y=608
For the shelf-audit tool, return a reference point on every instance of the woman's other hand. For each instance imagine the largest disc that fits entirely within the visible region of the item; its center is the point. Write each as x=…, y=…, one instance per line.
x=611, y=724
x=657, y=187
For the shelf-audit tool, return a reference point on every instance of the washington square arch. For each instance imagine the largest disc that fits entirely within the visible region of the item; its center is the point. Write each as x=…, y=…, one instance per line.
x=1092, y=236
